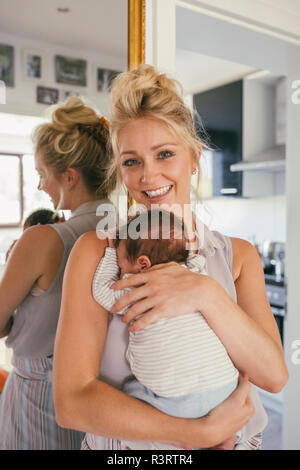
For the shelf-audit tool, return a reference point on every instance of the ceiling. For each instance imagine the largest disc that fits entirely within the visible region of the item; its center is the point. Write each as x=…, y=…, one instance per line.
x=96, y=25
x=280, y=15
x=198, y=72
x=101, y=26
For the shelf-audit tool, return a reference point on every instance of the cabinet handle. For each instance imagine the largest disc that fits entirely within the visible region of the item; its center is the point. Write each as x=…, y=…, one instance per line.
x=228, y=190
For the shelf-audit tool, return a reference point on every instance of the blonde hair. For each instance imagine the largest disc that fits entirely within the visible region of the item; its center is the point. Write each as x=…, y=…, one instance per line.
x=144, y=92
x=77, y=138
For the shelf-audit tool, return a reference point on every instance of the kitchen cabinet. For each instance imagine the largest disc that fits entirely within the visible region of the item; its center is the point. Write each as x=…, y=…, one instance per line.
x=263, y=162
x=220, y=110
x=245, y=121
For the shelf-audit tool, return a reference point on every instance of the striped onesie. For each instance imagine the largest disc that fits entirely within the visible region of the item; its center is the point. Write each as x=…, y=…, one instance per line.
x=180, y=365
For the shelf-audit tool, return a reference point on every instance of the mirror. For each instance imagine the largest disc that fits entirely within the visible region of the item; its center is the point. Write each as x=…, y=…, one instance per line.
x=57, y=49
x=48, y=52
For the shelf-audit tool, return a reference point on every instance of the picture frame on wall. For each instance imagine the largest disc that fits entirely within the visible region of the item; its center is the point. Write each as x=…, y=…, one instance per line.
x=47, y=95
x=67, y=93
x=105, y=78
x=70, y=71
x=7, y=64
x=34, y=64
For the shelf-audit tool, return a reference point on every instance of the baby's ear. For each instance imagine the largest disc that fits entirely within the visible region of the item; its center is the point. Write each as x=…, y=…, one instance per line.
x=144, y=262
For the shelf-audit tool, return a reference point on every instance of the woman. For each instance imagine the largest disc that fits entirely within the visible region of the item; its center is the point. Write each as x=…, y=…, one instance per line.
x=70, y=157
x=156, y=151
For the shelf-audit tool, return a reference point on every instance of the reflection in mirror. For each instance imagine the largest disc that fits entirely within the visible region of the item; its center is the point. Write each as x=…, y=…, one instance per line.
x=66, y=51
x=48, y=52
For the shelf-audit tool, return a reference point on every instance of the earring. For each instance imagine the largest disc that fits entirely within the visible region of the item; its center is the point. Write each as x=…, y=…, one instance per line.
x=194, y=171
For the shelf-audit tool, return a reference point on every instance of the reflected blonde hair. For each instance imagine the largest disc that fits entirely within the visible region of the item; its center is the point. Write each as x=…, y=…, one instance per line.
x=77, y=138
x=145, y=92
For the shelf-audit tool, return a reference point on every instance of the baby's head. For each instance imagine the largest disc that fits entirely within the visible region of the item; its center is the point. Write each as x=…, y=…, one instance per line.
x=42, y=217
x=153, y=237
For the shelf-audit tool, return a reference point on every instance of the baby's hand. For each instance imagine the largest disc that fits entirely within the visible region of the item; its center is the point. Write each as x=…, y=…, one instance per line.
x=111, y=242
x=61, y=219
x=107, y=235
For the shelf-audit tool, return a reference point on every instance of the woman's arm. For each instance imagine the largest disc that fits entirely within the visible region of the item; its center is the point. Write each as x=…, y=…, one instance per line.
x=85, y=403
x=247, y=329
x=36, y=256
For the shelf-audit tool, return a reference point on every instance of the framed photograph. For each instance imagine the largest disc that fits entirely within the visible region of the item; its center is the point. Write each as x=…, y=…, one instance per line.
x=105, y=78
x=7, y=64
x=46, y=95
x=70, y=71
x=67, y=93
x=33, y=64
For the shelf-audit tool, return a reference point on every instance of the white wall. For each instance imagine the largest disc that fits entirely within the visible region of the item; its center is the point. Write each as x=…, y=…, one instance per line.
x=21, y=99
x=278, y=15
x=291, y=428
x=254, y=219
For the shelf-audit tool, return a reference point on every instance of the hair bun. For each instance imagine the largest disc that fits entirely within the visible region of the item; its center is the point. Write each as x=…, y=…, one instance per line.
x=99, y=131
x=77, y=138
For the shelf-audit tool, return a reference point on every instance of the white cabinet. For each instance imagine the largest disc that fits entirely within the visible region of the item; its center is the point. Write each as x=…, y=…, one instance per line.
x=264, y=112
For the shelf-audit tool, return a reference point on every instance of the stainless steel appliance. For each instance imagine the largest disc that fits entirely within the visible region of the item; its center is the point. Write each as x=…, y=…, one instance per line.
x=276, y=293
x=272, y=256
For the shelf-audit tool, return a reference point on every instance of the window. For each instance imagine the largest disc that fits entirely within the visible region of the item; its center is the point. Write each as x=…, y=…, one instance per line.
x=19, y=195
x=11, y=197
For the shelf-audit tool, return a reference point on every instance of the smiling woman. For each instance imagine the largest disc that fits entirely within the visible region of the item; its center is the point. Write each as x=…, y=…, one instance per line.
x=156, y=152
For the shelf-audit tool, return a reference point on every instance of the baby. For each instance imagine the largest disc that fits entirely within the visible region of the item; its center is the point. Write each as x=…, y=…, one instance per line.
x=38, y=217
x=41, y=217
x=180, y=365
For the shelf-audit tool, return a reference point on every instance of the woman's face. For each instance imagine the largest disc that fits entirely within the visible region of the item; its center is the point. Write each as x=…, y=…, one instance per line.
x=49, y=183
x=155, y=166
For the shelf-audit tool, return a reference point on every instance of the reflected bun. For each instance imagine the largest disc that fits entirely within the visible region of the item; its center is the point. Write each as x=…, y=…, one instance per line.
x=77, y=138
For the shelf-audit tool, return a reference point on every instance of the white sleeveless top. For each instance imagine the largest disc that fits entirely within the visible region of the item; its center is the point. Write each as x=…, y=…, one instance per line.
x=115, y=369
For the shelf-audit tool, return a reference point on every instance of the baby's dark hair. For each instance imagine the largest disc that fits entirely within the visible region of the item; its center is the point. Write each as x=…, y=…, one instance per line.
x=40, y=216
x=161, y=237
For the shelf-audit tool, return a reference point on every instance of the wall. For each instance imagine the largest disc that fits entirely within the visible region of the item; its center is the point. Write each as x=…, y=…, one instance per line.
x=278, y=15
x=254, y=219
x=291, y=421
x=21, y=99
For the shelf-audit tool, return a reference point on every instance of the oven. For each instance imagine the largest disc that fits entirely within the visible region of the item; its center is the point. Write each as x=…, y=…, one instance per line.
x=276, y=293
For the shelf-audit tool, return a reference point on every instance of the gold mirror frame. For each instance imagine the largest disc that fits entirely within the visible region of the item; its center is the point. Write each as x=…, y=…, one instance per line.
x=136, y=43
x=136, y=32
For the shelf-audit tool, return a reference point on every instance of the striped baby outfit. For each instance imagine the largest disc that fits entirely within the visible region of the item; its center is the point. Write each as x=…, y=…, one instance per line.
x=174, y=356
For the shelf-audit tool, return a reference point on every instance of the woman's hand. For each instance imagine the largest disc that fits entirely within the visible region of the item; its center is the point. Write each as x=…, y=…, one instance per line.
x=166, y=290
x=230, y=416
x=228, y=444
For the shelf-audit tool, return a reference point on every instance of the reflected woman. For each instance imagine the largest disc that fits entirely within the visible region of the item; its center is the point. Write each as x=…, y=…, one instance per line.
x=70, y=157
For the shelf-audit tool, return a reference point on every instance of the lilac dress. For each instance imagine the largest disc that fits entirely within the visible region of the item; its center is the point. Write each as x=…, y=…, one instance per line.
x=27, y=415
